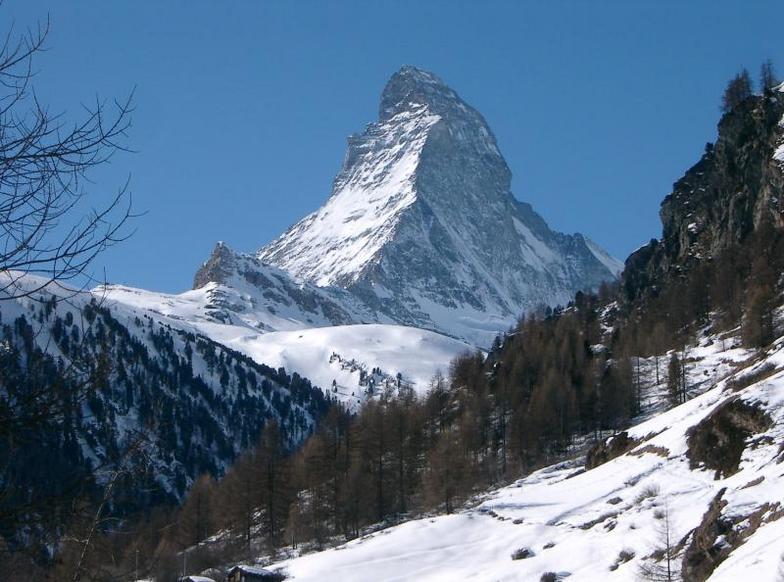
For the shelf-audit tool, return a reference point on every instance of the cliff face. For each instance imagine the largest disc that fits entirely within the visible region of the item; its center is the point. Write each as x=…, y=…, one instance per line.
x=733, y=190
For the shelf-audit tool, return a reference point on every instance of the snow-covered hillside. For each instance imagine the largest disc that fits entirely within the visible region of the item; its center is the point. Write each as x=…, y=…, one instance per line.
x=609, y=522
x=359, y=359
x=193, y=401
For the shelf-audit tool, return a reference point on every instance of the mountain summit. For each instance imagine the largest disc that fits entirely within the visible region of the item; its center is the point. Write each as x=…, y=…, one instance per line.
x=422, y=226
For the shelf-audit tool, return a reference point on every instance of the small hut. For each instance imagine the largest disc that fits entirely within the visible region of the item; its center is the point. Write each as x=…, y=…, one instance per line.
x=245, y=573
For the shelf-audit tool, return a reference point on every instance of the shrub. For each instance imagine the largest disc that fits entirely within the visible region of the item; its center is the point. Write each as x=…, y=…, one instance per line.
x=648, y=492
x=522, y=554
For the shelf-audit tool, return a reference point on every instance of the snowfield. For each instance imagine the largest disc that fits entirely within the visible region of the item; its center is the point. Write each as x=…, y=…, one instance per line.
x=416, y=354
x=324, y=355
x=600, y=524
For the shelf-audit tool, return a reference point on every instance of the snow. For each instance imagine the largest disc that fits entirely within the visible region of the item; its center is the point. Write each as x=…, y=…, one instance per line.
x=416, y=354
x=341, y=238
x=564, y=516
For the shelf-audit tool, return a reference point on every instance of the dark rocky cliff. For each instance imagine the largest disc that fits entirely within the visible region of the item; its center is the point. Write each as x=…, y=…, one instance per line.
x=733, y=190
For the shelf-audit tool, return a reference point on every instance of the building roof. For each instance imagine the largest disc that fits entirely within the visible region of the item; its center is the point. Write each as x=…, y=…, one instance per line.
x=255, y=570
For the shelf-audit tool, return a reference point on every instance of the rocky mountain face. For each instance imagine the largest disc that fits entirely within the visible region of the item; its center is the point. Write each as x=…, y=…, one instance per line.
x=422, y=228
x=733, y=190
x=245, y=291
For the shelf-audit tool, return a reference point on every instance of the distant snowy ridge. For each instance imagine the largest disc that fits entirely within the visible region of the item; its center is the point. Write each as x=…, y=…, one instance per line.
x=241, y=322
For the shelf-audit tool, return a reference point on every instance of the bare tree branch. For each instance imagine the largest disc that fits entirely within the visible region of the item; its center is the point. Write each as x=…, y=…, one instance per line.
x=44, y=168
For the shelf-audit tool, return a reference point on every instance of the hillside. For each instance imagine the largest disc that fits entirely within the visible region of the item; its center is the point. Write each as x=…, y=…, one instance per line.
x=723, y=506
x=113, y=379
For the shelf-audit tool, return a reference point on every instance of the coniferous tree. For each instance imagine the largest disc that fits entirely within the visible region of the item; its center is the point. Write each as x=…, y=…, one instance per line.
x=767, y=76
x=738, y=90
x=675, y=386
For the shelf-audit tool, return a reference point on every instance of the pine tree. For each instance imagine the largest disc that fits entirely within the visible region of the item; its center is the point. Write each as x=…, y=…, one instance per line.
x=767, y=76
x=738, y=90
x=675, y=377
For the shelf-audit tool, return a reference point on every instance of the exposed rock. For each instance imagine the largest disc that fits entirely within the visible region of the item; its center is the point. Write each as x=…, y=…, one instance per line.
x=217, y=268
x=719, y=535
x=704, y=553
x=718, y=441
x=732, y=191
x=608, y=449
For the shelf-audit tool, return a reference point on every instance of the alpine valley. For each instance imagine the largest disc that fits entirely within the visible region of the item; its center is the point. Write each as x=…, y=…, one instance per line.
x=421, y=380
x=420, y=254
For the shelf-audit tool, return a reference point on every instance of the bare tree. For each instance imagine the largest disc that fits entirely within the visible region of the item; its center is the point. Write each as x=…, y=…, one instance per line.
x=662, y=565
x=50, y=228
x=46, y=227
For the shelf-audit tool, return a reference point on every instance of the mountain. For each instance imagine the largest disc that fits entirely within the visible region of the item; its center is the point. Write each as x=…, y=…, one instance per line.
x=91, y=380
x=422, y=229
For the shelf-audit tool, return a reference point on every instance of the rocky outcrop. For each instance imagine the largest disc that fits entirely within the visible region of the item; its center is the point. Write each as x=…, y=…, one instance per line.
x=721, y=532
x=705, y=552
x=718, y=441
x=733, y=190
x=217, y=268
x=608, y=449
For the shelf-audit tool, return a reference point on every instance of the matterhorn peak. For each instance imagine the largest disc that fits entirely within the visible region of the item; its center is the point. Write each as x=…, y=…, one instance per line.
x=422, y=228
x=412, y=86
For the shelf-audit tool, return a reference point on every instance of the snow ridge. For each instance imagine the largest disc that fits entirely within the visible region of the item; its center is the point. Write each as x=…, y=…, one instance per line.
x=336, y=243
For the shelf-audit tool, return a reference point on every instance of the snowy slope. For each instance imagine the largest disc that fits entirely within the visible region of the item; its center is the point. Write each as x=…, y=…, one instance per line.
x=338, y=241
x=321, y=354
x=341, y=353
x=195, y=400
x=578, y=523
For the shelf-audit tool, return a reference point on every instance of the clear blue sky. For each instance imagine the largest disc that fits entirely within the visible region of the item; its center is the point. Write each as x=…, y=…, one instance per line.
x=243, y=108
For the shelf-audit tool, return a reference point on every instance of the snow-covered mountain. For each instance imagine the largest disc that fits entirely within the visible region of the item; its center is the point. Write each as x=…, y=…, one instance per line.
x=350, y=363
x=422, y=229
